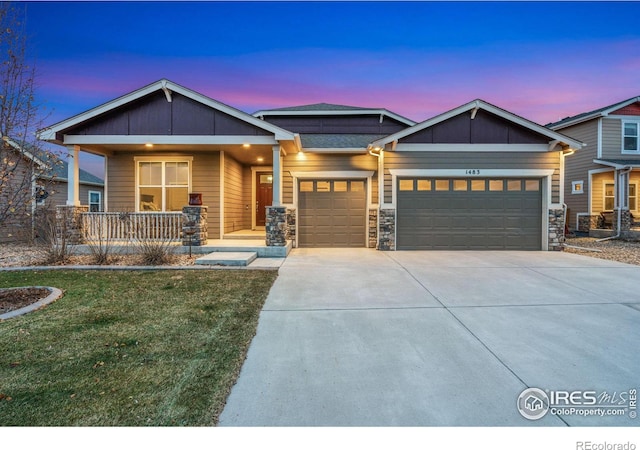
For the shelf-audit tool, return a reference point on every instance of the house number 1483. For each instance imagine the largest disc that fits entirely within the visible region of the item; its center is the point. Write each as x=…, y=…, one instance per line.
x=472, y=172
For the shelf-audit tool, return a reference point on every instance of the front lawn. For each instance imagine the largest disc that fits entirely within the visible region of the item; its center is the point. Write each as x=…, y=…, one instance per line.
x=128, y=348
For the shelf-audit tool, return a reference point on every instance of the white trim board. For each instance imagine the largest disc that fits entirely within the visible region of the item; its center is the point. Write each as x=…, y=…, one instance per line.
x=167, y=140
x=539, y=148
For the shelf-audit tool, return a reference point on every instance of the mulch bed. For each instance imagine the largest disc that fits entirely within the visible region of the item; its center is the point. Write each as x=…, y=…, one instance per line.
x=12, y=299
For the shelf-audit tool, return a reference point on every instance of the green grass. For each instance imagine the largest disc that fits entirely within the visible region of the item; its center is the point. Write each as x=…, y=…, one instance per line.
x=149, y=348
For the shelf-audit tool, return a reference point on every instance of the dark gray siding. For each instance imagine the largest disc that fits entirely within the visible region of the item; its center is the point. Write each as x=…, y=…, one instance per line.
x=485, y=128
x=356, y=124
x=153, y=115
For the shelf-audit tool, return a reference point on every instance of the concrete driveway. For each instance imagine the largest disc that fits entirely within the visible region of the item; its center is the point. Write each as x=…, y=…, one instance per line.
x=366, y=338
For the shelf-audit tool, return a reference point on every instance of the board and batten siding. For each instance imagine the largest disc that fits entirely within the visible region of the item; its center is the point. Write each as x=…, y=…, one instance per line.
x=235, y=212
x=205, y=179
x=577, y=167
x=316, y=162
x=472, y=160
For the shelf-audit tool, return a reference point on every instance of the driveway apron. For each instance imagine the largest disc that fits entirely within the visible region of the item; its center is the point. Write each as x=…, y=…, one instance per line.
x=357, y=337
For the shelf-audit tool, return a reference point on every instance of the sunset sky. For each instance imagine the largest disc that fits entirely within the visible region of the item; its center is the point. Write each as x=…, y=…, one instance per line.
x=543, y=60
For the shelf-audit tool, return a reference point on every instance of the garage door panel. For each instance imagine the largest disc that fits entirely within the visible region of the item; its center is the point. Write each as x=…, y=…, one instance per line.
x=335, y=217
x=490, y=220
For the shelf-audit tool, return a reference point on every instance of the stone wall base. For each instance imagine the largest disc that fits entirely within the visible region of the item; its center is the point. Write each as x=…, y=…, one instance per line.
x=194, y=225
x=69, y=223
x=387, y=229
x=373, y=228
x=276, y=226
x=556, y=229
x=587, y=222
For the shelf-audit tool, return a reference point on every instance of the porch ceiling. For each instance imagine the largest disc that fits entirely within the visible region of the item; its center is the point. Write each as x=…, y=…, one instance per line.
x=248, y=156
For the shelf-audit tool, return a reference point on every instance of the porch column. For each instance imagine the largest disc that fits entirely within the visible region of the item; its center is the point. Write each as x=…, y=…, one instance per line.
x=277, y=176
x=73, y=176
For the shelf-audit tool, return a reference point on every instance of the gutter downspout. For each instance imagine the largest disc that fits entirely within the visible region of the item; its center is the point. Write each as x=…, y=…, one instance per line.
x=623, y=171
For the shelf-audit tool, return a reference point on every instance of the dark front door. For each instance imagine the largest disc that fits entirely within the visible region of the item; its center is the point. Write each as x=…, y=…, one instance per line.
x=264, y=196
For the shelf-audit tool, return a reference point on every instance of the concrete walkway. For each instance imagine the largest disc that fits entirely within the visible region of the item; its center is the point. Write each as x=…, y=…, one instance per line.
x=367, y=338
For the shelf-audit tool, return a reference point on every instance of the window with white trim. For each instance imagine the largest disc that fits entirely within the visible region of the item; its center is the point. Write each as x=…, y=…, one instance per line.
x=630, y=136
x=95, y=201
x=633, y=196
x=609, y=196
x=163, y=185
x=577, y=187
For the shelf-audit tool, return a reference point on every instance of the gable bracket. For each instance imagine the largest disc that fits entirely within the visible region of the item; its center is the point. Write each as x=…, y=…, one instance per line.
x=166, y=90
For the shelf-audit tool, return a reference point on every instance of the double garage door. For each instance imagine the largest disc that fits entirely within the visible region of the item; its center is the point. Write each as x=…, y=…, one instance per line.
x=332, y=213
x=432, y=213
x=469, y=214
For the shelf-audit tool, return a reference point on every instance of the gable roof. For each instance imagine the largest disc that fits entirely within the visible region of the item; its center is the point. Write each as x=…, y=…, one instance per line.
x=59, y=172
x=475, y=105
x=600, y=112
x=51, y=166
x=330, y=109
x=168, y=87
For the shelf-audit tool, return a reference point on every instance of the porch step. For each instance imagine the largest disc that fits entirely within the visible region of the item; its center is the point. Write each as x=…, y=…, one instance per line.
x=238, y=236
x=227, y=259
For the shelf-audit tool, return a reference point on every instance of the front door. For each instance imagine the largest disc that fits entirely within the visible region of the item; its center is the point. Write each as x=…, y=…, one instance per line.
x=264, y=196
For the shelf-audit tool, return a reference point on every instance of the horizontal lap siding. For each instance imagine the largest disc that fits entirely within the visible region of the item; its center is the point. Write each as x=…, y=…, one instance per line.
x=577, y=168
x=612, y=139
x=233, y=195
x=597, y=191
x=246, y=197
x=471, y=160
x=205, y=180
x=313, y=162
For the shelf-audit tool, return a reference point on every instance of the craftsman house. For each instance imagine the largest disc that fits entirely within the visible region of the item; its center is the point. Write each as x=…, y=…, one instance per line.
x=601, y=181
x=324, y=175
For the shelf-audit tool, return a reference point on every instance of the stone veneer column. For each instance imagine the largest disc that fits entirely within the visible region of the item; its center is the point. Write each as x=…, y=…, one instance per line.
x=194, y=217
x=556, y=229
x=69, y=223
x=276, y=226
x=625, y=221
x=387, y=229
x=373, y=228
x=291, y=224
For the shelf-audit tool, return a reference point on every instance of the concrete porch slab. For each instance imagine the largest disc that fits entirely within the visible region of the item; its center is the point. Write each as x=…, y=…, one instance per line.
x=227, y=259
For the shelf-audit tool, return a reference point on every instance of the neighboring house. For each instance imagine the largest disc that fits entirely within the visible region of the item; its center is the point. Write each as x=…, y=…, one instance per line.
x=475, y=177
x=602, y=180
x=38, y=183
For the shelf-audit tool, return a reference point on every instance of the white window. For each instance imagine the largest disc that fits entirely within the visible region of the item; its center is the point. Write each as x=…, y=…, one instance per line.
x=95, y=201
x=162, y=185
x=630, y=133
x=609, y=196
x=577, y=187
x=633, y=197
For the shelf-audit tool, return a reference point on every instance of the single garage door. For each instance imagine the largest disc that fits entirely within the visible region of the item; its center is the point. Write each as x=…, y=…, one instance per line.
x=469, y=214
x=332, y=213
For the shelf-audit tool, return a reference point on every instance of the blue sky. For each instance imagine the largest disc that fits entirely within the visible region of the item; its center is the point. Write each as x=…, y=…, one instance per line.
x=541, y=60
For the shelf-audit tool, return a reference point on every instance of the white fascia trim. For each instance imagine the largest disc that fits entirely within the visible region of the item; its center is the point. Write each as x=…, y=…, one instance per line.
x=354, y=112
x=615, y=165
x=471, y=173
x=334, y=150
x=603, y=113
x=552, y=135
x=49, y=133
x=333, y=174
x=167, y=140
x=24, y=152
x=542, y=148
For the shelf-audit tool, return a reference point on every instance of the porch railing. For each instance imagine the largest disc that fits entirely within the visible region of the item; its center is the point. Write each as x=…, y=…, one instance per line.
x=126, y=226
